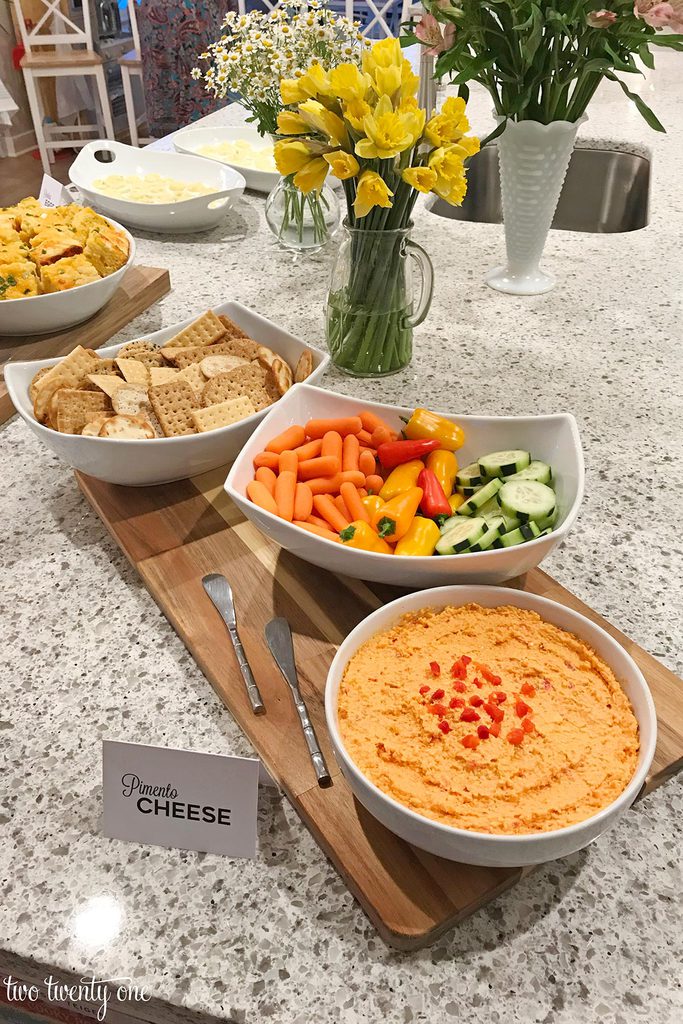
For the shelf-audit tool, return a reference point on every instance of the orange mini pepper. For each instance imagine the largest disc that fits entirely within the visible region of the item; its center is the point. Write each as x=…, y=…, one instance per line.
x=372, y=502
x=393, y=519
x=426, y=424
x=401, y=479
x=360, y=534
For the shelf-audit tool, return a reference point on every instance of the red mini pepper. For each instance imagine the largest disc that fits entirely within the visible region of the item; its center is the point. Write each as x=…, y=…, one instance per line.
x=434, y=501
x=393, y=453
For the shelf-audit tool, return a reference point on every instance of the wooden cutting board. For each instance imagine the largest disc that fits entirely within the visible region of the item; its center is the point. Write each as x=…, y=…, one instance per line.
x=175, y=534
x=140, y=287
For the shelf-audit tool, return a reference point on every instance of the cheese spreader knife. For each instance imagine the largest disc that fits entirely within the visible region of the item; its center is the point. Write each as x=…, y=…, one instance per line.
x=220, y=592
x=279, y=640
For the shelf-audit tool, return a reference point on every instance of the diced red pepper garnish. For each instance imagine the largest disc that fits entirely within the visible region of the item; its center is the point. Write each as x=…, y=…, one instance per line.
x=438, y=694
x=521, y=709
x=515, y=736
x=527, y=725
x=483, y=732
x=476, y=701
x=477, y=682
x=498, y=697
x=444, y=726
x=528, y=690
x=456, y=702
x=494, y=728
x=470, y=741
x=425, y=689
x=459, y=687
x=458, y=670
x=466, y=660
x=435, y=668
x=494, y=712
x=436, y=709
x=469, y=715
x=489, y=676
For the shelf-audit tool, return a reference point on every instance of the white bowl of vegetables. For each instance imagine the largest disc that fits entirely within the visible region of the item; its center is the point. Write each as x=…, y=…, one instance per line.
x=510, y=518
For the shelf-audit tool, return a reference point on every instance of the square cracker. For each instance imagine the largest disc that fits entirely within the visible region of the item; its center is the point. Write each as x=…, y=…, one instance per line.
x=252, y=381
x=182, y=357
x=145, y=351
x=173, y=404
x=231, y=327
x=71, y=372
x=75, y=408
x=206, y=330
x=222, y=415
x=133, y=371
x=194, y=377
x=162, y=374
x=106, y=382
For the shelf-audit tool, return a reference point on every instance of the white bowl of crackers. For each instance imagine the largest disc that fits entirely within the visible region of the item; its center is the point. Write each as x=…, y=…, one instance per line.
x=58, y=266
x=178, y=403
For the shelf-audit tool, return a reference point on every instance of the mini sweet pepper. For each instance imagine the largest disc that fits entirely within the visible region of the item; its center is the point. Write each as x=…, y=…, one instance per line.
x=361, y=535
x=392, y=521
x=434, y=502
x=401, y=479
x=426, y=425
x=445, y=465
x=372, y=502
x=420, y=538
x=393, y=453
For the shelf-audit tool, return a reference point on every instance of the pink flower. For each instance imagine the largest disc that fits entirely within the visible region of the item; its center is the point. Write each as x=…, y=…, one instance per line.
x=660, y=15
x=601, y=19
x=430, y=33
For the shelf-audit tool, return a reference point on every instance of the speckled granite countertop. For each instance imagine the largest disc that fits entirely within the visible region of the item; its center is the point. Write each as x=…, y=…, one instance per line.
x=87, y=655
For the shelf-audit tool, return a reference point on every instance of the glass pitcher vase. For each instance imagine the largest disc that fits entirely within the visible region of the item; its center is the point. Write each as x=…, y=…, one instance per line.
x=371, y=311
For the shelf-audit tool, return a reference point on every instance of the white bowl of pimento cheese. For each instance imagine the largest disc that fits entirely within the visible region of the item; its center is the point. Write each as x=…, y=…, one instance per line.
x=488, y=725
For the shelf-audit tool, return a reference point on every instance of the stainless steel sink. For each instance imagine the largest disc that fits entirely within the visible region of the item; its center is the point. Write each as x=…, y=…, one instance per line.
x=604, y=191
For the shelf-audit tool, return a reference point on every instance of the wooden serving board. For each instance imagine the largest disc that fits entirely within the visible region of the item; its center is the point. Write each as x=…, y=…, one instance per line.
x=176, y=533
x=140, y=287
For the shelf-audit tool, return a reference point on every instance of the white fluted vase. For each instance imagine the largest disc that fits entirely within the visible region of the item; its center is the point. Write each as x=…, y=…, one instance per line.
x=533, y=159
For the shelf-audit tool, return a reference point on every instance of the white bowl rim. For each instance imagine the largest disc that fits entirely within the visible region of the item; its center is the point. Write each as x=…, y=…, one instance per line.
x=424, y=560
x=131, y=205
x=91, y=284
x=499, y=838
x=183, y=438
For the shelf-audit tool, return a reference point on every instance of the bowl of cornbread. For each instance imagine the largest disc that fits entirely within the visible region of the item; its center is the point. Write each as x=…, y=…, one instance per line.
x=174, y=404
x=58, y=266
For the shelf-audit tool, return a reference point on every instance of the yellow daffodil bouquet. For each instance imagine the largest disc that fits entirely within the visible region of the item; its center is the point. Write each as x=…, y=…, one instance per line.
x=363, y=125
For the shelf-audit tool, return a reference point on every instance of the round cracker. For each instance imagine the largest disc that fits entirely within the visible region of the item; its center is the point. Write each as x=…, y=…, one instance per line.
x=127, y=427
x=131, y=400
x=93, y=427
x=32, y=388
x=304, y=367
x=211, y=366
x=282, y=374
x=266, y=356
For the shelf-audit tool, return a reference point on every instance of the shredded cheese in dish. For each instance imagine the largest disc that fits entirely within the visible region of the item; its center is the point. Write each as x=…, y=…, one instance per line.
x=241, y=153
x=150, y=188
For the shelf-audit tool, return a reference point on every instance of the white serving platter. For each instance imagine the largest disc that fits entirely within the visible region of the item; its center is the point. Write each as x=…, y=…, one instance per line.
x=189, y=140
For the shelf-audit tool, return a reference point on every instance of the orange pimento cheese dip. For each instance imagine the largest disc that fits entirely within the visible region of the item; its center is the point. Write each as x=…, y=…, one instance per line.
x=488, y=719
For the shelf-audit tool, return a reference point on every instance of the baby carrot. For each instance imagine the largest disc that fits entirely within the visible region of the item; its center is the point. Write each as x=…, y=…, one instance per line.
x=266, y=477
x=285, y=488
x=310, y=450
x=374, y=483
x=326, y=465
x=343, y=425
x=350, y=452
x=289, y=462
x=319, y=531
x=303, y=501
x=365, y=437
x=380, y=435
x=332, y=445
x=317, y=521
x=331, y=484
x=341, y=505
x=290, y=438
x=371, y=421
x=367, y=463
x=326, y=509
x=269, y=459
x=355, y=506
x=261, y=496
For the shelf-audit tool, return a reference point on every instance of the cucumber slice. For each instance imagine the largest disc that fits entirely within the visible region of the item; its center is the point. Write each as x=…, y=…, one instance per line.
x=527, y=531
x=484, y=494
x=469, y=476
x=526, y=499
x=504, y=463
x=538, y=471
x=548, y=522
x=461, y=536
x=488, y=539
x=467, y=492
x=492, y=510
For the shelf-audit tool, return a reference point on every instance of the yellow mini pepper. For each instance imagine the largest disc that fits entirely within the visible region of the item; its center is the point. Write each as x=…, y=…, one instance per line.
x=444, y=466
x=361, y=535
x=424, y=423
x=401, y=479
x=393, y=519
x=372, y=502
x=420, y=539
x=455, y=501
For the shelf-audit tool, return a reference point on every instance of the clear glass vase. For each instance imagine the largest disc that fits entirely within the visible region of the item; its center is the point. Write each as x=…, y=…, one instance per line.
x=371, y=312
x=304, y=223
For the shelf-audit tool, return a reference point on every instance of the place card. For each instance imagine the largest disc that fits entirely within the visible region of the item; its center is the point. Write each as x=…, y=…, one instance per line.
x=53, y=193
x=180, y=798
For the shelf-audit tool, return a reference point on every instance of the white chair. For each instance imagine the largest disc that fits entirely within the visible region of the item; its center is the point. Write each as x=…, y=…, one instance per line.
x=131, y=64
x=56, y=30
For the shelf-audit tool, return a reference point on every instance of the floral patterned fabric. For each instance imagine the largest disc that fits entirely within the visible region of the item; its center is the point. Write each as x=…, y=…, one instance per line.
x=172, y=35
